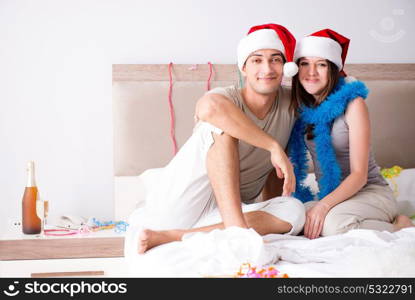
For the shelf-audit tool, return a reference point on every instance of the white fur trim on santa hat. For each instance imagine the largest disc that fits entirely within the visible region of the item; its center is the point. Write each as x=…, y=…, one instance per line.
x=257, y=40
x=320, y=47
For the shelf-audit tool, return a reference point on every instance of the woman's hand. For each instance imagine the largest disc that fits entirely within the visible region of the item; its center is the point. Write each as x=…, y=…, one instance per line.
x=315, y=217
x=284, y=170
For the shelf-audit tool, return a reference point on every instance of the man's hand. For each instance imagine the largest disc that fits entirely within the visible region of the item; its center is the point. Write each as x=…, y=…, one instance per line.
x=315, y=217
x=284, y=170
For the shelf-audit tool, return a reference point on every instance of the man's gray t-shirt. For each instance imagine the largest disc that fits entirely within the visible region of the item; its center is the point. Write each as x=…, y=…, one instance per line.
x=255, y=163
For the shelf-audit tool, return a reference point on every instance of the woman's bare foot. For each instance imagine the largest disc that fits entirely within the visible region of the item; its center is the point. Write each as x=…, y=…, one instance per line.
x=402, y=221
x=148, y=239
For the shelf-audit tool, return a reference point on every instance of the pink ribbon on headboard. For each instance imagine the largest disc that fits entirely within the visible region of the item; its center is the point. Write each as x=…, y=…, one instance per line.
x=171, y=107
x=210, y=76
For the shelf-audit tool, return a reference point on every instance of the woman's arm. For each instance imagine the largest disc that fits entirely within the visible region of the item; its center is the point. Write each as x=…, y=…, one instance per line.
x=357, y=118
x=219, y=111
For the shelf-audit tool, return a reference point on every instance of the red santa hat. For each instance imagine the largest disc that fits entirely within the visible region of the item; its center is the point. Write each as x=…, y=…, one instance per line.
x=325, y=43
x=269, y=36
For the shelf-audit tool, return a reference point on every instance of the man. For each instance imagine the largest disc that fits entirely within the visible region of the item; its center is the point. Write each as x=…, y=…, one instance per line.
x=238, y=141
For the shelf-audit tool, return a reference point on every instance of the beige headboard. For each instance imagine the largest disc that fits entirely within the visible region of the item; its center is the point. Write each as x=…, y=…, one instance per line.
x=142, y=118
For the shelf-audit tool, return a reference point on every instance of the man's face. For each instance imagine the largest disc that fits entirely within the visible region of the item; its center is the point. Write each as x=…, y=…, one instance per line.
x=263, y=70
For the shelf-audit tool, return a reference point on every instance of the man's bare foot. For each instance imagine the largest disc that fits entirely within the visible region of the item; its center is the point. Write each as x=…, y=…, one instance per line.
x=402, y=221
x=148, y=239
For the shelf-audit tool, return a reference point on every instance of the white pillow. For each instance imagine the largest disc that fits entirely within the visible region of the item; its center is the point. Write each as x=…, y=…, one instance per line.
x=130, y=192
x=405, y=186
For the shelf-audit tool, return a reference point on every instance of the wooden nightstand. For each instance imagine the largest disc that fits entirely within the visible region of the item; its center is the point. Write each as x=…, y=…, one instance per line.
x=97, y=254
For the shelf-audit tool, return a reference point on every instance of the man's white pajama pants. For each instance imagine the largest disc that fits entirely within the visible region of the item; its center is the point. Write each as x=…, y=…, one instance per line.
x=179, y=196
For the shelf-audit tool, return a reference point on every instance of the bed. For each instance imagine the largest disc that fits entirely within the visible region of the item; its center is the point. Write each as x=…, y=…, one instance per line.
x=143, y=141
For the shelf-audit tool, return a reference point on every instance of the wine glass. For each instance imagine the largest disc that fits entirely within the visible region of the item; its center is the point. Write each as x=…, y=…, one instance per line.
x=42, y=211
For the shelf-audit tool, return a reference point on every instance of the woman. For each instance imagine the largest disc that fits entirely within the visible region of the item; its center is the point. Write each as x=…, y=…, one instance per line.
x=333, y=125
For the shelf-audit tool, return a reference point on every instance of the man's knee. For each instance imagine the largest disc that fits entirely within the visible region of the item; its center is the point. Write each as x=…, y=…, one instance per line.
x=298, y=209
x=290, y=210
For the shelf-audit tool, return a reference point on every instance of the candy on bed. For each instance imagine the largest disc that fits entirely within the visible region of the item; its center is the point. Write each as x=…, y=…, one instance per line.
x=248, y=271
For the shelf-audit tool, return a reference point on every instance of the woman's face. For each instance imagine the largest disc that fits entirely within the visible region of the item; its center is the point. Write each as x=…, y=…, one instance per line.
x=313, y=74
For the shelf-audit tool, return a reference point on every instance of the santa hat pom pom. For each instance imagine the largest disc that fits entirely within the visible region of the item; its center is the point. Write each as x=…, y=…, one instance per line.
x=290, y=69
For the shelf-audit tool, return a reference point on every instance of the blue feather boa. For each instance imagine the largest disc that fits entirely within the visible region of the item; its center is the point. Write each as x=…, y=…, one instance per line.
x=322, y=117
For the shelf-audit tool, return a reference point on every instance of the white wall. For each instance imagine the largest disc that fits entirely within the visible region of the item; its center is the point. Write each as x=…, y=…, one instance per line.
x=55, y=74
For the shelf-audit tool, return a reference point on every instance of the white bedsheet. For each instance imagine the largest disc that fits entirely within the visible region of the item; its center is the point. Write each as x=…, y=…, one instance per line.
x=358, y=253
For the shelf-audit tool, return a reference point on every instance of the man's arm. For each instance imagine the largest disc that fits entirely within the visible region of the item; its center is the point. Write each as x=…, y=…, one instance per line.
x=222, y=113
